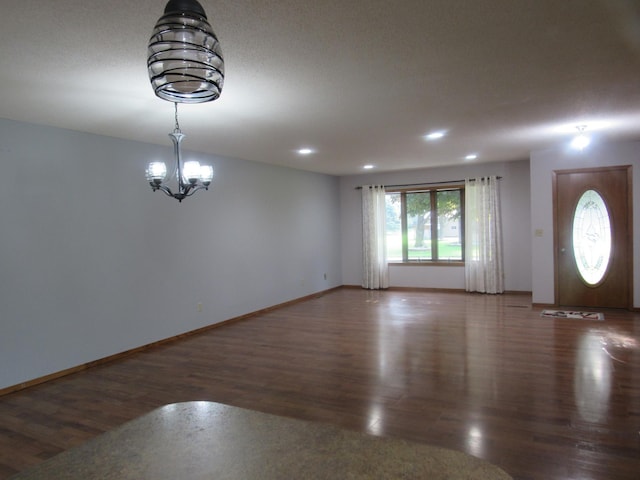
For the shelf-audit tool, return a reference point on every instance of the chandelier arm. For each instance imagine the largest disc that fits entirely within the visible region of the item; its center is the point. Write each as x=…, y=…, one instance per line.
x=167, y=191
x=191, y=190
x=184, y=192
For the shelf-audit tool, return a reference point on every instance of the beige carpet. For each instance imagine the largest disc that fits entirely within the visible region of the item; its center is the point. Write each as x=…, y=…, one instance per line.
x=206, y=440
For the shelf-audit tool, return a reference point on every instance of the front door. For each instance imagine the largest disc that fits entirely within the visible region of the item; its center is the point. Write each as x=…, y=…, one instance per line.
x=592, y=235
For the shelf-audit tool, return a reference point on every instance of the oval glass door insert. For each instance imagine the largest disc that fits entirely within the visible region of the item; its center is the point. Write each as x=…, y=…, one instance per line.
x=592, y=237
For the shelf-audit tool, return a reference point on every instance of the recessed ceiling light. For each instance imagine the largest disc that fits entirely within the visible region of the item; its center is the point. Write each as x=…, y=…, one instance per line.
x=582, y=140
x=368, y=167
x=471, y=156
x=435, y=135
x=306, y=151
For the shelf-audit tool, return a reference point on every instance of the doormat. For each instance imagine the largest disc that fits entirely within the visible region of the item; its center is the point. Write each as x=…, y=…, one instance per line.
x=572, y=314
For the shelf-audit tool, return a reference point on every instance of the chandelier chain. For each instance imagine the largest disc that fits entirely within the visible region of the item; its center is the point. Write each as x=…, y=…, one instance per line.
x=177, y=127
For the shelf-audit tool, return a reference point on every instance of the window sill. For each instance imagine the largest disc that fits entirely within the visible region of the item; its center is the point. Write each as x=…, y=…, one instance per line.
x=452, y=263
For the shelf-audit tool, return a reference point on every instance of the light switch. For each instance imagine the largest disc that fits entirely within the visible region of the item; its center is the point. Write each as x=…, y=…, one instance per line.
x=538, y=232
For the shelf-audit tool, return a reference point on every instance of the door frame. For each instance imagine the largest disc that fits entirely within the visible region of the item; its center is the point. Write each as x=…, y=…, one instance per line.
x=556, y=229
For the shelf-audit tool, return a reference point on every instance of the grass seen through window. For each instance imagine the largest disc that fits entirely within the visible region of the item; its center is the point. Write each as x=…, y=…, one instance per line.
x=425, y=226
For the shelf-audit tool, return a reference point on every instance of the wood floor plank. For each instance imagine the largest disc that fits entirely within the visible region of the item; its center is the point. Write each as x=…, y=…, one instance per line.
x=542, y=398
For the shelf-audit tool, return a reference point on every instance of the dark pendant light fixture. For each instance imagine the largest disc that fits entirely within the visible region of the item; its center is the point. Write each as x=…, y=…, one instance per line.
x=184, y=57
x=185, y=66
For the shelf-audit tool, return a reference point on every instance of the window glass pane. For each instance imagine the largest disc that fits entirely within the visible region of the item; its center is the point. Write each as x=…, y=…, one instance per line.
x=431, y=229
x=419, y=225
x=591, y=237
x=393, y=227
x=449, y=225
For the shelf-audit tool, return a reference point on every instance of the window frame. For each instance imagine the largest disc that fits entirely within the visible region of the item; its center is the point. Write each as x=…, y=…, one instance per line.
x=433, y=192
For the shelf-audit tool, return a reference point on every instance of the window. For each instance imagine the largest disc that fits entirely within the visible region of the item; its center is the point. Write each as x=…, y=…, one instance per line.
x=425, y=225
x=592, y=237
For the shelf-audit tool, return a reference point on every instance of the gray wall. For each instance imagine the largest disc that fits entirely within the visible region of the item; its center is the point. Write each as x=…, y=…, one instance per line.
x=93, y=263
x=543, y=163
x=515, y=207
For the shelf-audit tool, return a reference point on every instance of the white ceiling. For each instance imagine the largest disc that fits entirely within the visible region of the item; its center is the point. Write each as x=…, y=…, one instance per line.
x=359, y=81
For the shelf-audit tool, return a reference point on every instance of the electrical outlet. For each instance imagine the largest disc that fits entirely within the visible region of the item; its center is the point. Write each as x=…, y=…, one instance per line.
x=199, y=307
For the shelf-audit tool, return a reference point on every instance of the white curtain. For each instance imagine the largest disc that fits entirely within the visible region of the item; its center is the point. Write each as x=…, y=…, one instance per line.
x=374, y=250
x=484, y=270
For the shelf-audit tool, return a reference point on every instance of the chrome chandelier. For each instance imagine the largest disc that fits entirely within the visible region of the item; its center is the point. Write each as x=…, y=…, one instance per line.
x=185, y=65
x=191, y=176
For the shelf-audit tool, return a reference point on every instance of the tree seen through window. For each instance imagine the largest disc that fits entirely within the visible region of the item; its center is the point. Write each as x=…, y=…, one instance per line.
x=425, y=225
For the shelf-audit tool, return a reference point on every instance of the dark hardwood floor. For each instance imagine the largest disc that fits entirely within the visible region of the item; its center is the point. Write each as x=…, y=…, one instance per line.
x=542, y=398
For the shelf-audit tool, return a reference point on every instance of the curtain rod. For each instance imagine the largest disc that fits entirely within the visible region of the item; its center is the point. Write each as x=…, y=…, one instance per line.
x=427, y=183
